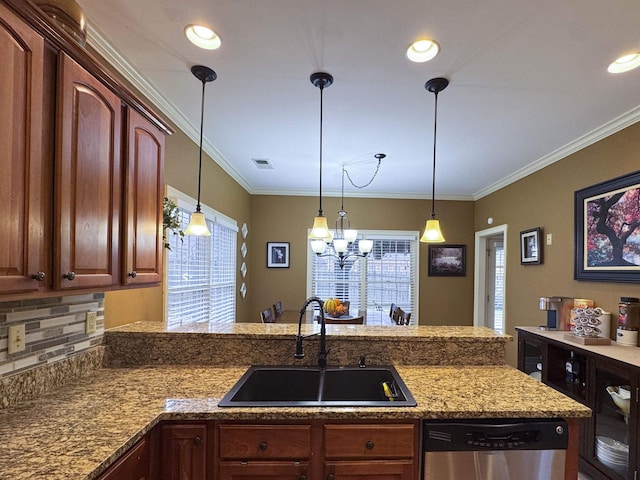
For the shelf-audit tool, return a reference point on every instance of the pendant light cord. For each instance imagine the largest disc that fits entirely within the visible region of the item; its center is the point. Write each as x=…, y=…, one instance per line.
x=433, y=178
x=321, y=110
x=200, y=159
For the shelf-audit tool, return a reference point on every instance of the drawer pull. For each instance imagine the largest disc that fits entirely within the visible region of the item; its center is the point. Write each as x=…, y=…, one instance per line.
x=40, y=276
x=369, y=445
x=262, y=446
x=69, y=276
x=133, y=274
x=331, y=476
x=302, y=477
x=197, y=441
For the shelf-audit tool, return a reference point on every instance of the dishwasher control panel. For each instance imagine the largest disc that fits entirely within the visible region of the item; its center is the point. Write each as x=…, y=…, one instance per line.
x=495, y=434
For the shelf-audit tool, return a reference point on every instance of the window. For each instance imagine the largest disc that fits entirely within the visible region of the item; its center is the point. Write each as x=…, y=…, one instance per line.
x=389, y=274
x=200, y=272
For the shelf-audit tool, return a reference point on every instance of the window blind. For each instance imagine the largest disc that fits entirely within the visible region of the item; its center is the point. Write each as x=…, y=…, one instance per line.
x=200, y=271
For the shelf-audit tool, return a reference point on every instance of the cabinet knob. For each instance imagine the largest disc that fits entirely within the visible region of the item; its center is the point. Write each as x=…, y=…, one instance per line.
x=69, y=276
x=331, y=476
x=302, y=477
x=197, y=441
x=369, y=445
x=40, y=276
x=133, y=274
x=263, y=446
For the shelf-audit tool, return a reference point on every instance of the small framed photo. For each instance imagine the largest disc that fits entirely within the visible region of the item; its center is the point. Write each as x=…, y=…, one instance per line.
x=278, y=254
x=530, y=247
x=447, y=260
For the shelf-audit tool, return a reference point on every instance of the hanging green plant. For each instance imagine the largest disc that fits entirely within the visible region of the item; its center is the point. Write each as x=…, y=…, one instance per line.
x=170, y=221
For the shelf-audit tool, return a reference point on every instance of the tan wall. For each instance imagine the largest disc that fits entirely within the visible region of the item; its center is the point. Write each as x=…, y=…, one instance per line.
x=545, y=199
x=443, y=300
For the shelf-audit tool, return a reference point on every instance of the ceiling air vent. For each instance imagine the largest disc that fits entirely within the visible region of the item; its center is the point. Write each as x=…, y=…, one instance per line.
x=262, y=163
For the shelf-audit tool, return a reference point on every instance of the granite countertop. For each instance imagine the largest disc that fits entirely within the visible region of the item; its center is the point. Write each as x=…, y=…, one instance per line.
x=352, y=332
x=76, y=432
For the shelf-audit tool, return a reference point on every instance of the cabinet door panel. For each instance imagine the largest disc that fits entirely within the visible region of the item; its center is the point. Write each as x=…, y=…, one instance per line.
x=24, y=173
x=183, y=452
x=87, y=180
x=134, y=465
x=143, y=202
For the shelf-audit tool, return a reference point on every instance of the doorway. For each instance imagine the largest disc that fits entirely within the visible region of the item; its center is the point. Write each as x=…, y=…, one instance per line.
x=489, y=278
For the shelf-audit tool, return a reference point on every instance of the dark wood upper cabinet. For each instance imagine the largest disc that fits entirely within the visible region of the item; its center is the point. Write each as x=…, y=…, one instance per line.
x=87, y=180
x=144, y=164
x=25, y=176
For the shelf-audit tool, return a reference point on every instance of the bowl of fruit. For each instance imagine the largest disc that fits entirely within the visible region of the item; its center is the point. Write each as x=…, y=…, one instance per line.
x=334, y=307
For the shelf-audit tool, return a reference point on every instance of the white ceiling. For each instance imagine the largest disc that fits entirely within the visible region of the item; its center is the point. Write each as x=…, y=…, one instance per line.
x=528, y=85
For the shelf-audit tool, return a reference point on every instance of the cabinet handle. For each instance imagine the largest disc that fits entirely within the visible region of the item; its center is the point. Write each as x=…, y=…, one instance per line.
x=331, y=476
x=197, y=441
x=302, y=477
x=262, y=446
x=69, y=276
x=369, y=445
x=40, y=276
x=133, y=274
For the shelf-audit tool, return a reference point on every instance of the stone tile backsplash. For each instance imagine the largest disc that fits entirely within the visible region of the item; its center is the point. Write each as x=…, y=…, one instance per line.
x=55, y=330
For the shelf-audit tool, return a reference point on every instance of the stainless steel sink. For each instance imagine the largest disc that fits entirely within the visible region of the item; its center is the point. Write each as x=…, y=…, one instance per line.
x=293, y=386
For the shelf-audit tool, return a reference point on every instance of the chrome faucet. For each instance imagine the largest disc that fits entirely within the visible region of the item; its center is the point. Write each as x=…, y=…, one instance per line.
x=322, y=354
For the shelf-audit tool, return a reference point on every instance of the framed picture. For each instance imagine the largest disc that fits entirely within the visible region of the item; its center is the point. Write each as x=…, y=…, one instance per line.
x=278, y=254
x=447, y=260
x=530, y=247
x=607, y=231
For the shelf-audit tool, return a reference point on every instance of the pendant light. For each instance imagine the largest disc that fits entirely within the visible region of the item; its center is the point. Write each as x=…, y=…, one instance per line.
x=320, y=229
x=198, y=224
x=432, y=233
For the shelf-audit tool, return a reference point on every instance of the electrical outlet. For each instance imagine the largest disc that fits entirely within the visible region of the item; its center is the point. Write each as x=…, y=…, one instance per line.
x=91, y=322
x=549, y=238
x=17, y=341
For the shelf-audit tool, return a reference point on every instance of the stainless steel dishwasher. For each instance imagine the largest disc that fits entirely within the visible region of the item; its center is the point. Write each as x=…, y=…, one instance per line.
x=504, y=449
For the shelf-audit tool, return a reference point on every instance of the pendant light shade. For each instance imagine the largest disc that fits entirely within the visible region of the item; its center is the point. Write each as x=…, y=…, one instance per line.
x=320, y=229
x=432, y=232
x=198, y=224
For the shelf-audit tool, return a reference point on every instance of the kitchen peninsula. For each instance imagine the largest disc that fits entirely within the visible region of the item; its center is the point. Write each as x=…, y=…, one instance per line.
x=78, y=431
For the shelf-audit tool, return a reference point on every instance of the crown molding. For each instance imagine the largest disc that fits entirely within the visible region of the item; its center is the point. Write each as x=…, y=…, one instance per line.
x=100, y=44
x=609, y=128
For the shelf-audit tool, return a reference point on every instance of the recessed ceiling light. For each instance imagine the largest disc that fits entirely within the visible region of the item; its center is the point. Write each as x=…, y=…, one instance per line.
x=625, y=63
x=422, y=50
x=202, y=37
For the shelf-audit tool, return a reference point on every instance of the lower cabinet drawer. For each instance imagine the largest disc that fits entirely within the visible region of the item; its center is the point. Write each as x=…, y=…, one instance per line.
x=245, y=442
x=271, y=470
x=358, y=441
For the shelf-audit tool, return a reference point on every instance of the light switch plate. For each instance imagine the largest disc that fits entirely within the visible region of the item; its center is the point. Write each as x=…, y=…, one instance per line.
x=91, y=322
x=549, y=238
x=16, y=341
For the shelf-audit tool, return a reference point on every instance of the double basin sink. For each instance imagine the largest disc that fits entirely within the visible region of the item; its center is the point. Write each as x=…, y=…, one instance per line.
x=296, y=386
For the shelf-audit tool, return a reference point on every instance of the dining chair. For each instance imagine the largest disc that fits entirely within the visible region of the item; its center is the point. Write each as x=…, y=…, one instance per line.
x=400, y=316
x=277, y=309
x=393, y=311
x=266, y=316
